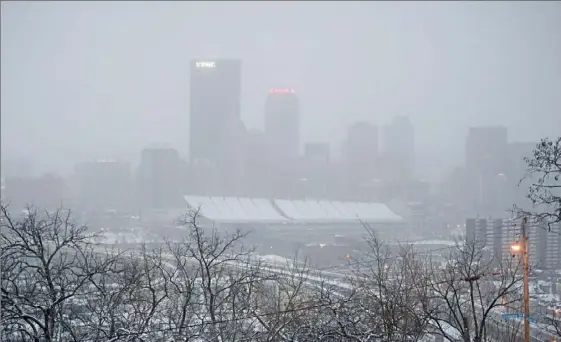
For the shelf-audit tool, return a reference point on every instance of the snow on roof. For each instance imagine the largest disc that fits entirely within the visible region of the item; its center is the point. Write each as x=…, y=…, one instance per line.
x=235, y=210
x=266, y=209
x=238, y=210
x=323, y=211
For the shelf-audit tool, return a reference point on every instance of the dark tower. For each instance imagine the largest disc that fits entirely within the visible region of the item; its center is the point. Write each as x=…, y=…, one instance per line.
x=214, y=108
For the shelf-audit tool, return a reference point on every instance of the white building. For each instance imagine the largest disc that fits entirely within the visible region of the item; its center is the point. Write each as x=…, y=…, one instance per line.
x=498, y=235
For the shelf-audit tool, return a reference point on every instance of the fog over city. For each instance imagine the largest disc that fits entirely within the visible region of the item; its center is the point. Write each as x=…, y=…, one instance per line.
x=280, y=171
x=116, y=75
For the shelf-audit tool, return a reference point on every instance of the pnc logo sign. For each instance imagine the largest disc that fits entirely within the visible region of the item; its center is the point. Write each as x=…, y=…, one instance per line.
x=205, y=65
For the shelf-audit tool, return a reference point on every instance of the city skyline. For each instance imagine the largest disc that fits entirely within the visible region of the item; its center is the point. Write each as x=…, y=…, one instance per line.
x=275, y=171
x=133, y=93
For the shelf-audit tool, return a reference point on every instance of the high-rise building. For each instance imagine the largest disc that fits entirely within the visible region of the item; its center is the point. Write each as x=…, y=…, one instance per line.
x=361, y=153
x=159, y=179
x=44, y=193
x=399, y=149
x=549, y=246
x=486, y=156
x=215, y=92
x=282, y=124
x=516, y=169
x=316, y=171
x=317, y=152
x=102, y=185
x=257, y=175
x=498, y=235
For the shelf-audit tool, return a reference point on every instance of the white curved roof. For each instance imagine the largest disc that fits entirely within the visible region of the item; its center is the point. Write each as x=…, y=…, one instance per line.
x=324, y=211
x=266, y=209
x=330, y=211
x=346, y=210
x=260, y=210
x=234, y=210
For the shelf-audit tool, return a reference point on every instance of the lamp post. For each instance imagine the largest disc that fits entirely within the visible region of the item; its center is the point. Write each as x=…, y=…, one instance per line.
x=522, y=247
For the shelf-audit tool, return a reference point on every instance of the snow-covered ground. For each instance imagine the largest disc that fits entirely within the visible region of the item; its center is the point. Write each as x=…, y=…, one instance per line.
x=275, y=260
x=132, y=236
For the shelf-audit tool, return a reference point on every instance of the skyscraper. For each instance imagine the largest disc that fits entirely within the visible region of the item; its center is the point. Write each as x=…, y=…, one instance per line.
x=159, y=179
x=486, y=156
x=282, y=124
x=215, y=91
x=361, y=152
x=256, y=172
x=516, y=168
x=399, y=149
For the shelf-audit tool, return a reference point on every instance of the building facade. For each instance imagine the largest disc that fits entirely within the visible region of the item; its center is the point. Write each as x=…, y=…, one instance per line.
x=361, y=153
x=159, y=179
x=498, y=235
x=214, y=108
x=399, y=150
x=486, y=156
x=282, y=124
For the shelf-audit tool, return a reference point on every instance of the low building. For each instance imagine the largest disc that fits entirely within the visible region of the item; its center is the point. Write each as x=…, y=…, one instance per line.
x=283, y=226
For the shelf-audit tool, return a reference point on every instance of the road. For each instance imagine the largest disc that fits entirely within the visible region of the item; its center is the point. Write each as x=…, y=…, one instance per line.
x=337, y=280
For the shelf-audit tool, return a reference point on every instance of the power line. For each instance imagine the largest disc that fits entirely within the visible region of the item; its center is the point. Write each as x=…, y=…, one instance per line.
x=299, y=309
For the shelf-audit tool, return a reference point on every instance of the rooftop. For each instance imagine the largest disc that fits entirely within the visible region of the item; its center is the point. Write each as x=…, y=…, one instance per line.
x=261, y=210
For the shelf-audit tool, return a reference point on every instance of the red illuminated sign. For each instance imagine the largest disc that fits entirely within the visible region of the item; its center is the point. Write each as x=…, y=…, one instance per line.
x=281, y=91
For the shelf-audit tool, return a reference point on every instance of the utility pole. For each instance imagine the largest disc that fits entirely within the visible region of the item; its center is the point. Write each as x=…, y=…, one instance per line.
x=522, y=247
x=526, y=281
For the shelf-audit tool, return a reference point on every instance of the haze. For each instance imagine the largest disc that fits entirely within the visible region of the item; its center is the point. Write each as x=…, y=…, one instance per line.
x=82, y=80
x=281, y=171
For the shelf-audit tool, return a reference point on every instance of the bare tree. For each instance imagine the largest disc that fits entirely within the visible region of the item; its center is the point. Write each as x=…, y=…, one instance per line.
x=500, y=329
x=386, y=294
x=544, y=189
x=468, y=292
x=182, y=309
x=46, y=267
x=555, y=322
x=223, y=280
x=102, y=314
x=127, y=302
x=337, y=315
x=376, y=300
x=544, y=175
x=282, y=304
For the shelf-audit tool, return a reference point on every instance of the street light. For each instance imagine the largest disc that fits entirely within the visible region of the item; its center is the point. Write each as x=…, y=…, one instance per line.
x=522, y=247
x=515, y=248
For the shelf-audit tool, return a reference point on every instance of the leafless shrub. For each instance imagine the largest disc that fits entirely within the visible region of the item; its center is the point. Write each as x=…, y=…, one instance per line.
x=221, y=282
x=555, y=322
x=282, y=303
x=544, y=189
x=377, y=300
x=47, y=263
x=468, y=292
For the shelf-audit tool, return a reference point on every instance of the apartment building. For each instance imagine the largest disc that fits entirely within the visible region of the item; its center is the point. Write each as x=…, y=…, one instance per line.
x=498, y=235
